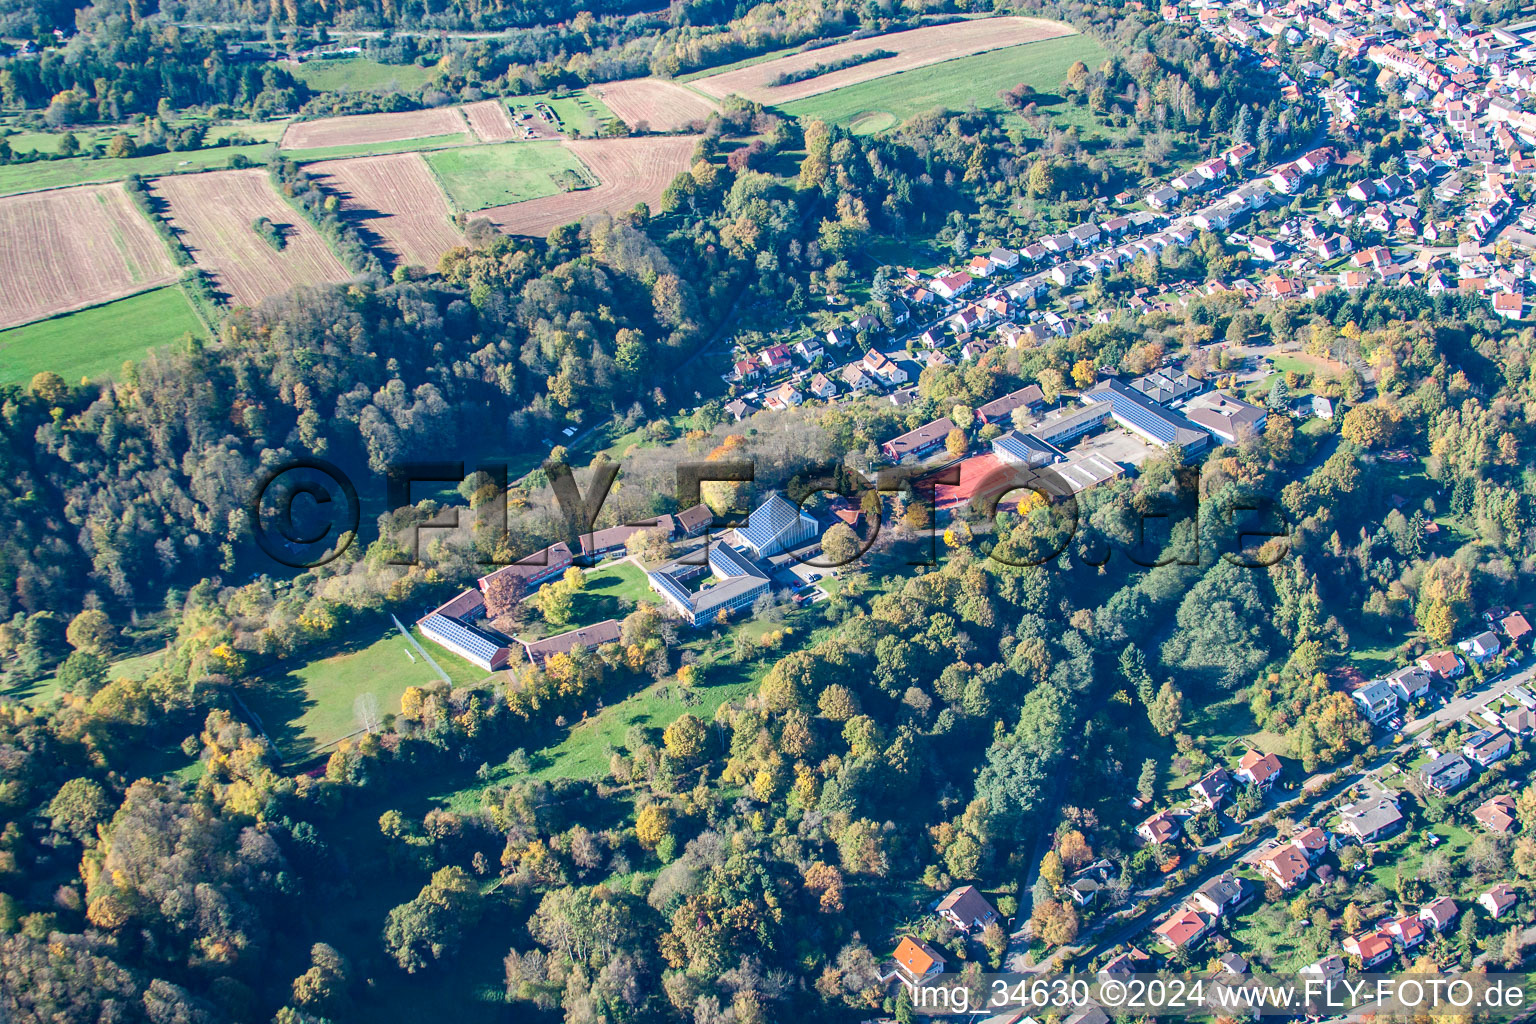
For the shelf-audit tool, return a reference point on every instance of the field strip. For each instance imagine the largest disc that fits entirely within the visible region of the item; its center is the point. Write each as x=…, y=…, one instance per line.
x=214, y=213
x=491, y=121
x=914, y=48
x=629, y=171
x=397, y=204
x=73, y=248
x=655, y=104
x=363, y=129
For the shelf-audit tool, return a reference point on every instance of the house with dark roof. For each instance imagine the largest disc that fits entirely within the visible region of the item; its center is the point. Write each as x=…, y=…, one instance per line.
x=1372, y=818
x=1498, y=900
x=1159, y=828
x=1224, y=895
x=1445, y=774
x=1487, y=746
x=528, y=574
x=1212, y=788
x=1438, y=913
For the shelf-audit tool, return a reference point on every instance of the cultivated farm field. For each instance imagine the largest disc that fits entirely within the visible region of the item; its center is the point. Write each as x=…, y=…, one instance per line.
x=629, y=171
x=914, y=48
x=363, y=129
x=214, y=213
x=394, y=199
x=653, y=103
x=490, y=121
x=74, y=247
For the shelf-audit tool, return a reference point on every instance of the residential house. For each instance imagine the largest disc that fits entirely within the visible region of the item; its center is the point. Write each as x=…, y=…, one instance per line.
x=1257, y=769
x=1497, y=815
x=980, y=266
x=1224, y=895
x=1212, y=788
x=739, y=409
x=1159, y=828
x=1446, y=774
x=1004, y=259
x=1329, y=969
x=1285, y=865
x=1438, y=913
x=775, y=357
x=916, y=961
x=1184, y=930
x=1372, y=818
x=1514, y=627
x=823, y=387
x=1083, y=890
x=1498, y=900
x=1409, y=683
x=950, y=285
x=1409, y=929
x=1444, y=664
x=1371, y=949
x=857, y=380
x=882, y=367
x=967, y=909
x=1487, y=746
x=783, y=397
x=747, y=369
x=810, y=350
x=1377, y=700
x=1312, y=842
x=1480, y=648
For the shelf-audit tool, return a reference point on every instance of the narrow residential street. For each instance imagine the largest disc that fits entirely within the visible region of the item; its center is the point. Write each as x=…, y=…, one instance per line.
x=1114, y=929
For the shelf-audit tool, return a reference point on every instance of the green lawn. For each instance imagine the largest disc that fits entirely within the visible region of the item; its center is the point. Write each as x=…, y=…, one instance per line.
x=359, y=74
x=746, y=63
x=314, y=704
x=40, y=174
x=96, y=342
x=381, y=148
x=954, y=84
x=479, y=177
x=462, y=673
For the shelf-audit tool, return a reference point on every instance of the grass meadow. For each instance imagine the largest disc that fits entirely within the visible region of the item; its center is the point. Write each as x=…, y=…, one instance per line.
x=874, y=106
x=96, y=342
x=431, y=142
x=479, y=177
x=359, y=74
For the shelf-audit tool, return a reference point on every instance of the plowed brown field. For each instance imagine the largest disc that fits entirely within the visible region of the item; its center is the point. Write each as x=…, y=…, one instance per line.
x=74, y=247
x=630, y=171
x=214, y=213
x=396, y=204
x=914, y=48
x=361, y=129
x=653, y=103
x=491, y=122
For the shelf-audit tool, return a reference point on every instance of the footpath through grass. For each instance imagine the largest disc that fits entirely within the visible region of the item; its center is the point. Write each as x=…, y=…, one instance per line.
x=96, y=342
x=479, y=177
x=954, y=84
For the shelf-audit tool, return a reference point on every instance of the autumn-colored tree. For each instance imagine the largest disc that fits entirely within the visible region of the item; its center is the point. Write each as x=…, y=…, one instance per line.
x=1084, y=373
x=825, y=884
x=1074, y=849
x=837, y=703
x=1054, y=922
x=840, y=544
x=955, y=443
x=684, y=738
x=652, y=825
x=1372, y=425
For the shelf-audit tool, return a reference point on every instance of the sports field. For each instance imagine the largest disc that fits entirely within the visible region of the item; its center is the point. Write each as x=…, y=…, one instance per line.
x=96, y=342
x=315, y=704
x=956, y=84
x=479, y=177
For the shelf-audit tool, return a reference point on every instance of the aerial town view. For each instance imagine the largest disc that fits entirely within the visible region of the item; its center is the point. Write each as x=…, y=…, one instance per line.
x=940, y=510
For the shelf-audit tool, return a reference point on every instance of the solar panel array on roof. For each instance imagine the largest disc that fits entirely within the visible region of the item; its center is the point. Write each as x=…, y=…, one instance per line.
x=1135, y=410
x=464, y=640
x=728, y=562
x=1024, y=448
x=672, y=588
x=775, y=525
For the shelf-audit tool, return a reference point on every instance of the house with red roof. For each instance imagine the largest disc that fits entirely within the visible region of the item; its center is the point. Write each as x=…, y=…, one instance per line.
x=1184, y=930
x=1257, y=769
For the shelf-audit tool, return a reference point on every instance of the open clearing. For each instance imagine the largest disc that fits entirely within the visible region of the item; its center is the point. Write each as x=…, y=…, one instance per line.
x=490, y=120
x=75, y=247
x=478, y=177
x=396, y=205
x=81, y=170
x=364, y=129
x=872, y=107
x=96, y=342
x=315, y=705
x=655, y=104
x=629, y=171
x=914, y=48
x=214, y=213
